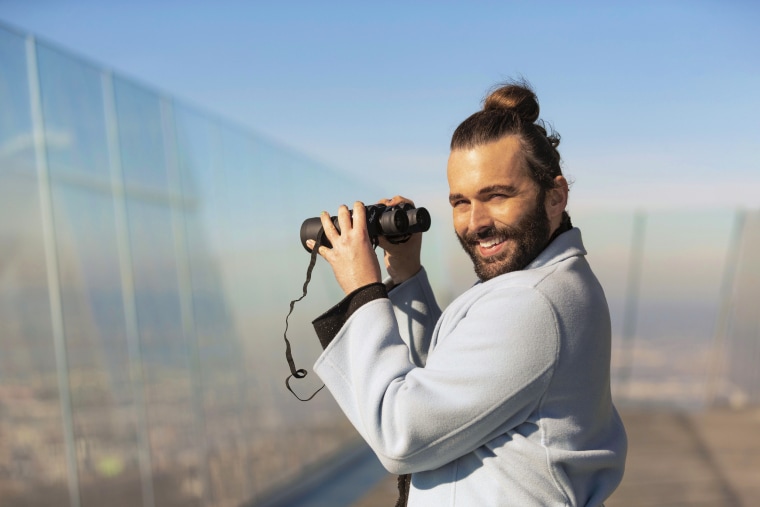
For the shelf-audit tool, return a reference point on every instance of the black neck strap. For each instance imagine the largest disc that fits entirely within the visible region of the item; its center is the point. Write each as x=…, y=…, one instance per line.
x=300, y=373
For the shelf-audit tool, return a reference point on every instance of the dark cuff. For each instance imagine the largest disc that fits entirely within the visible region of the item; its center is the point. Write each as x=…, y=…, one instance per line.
x=329, y=323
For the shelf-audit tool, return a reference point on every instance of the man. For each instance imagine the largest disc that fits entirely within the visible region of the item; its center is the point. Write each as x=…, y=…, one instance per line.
x=504, y=398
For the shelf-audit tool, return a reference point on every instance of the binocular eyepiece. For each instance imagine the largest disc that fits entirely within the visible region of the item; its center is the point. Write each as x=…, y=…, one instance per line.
x=396, y=223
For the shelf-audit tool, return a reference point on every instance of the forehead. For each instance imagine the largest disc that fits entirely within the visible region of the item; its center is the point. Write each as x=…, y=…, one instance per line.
x=499, y=162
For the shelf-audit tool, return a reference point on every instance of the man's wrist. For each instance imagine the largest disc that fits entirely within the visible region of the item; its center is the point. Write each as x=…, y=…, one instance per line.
x=396, y=279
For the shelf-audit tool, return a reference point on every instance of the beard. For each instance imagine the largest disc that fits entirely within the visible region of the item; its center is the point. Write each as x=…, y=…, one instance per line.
x=525, y=240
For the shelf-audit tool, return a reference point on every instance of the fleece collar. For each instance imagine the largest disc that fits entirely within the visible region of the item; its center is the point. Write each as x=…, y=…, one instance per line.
x=566, y=245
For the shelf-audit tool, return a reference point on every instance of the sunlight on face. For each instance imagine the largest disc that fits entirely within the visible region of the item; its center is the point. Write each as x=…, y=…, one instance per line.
x=499, y=214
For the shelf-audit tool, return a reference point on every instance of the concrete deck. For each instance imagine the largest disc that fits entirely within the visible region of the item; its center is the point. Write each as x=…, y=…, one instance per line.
x=674, y=460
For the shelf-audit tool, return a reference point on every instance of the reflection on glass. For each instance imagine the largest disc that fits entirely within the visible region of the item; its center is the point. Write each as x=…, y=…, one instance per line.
x=32, y=451
x=141, y=137
x=72, y=103
x=164, y=348
x=93, y=314
x=16, y=142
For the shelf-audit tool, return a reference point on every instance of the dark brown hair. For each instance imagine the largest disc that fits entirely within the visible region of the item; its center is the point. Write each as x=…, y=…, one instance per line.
x=512, y=109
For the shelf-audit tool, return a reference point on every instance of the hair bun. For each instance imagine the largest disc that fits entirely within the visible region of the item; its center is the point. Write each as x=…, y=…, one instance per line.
x=516, y=96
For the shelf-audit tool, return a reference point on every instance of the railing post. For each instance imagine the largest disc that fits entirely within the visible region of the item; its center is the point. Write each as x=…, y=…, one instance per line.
x=723, y=321
x=630, y=310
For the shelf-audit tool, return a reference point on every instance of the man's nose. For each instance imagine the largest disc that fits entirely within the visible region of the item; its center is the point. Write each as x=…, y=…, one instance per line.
x=479, y=217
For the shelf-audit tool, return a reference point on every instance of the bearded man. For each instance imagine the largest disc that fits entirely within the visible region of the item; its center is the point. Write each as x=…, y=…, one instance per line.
x=504, y=398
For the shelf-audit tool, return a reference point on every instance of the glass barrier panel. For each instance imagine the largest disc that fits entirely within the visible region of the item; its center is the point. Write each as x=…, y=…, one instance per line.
x=33, y=468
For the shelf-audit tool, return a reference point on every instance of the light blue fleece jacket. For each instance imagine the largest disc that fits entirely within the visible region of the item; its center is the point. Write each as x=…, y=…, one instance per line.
x=502, y=400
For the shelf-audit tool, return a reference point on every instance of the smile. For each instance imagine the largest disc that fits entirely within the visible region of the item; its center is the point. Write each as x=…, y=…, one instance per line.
x=490, y=243
x=490, y=246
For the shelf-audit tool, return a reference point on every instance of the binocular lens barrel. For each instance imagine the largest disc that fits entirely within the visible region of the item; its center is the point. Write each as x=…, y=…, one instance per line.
x=381, y=221
x=419, y=220
x=310, y=229
x=391, y=222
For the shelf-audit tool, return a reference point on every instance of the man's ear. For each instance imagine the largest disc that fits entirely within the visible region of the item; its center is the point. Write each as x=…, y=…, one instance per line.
x=556, y=198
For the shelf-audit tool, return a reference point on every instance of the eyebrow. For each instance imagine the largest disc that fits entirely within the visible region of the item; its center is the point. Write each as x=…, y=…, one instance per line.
x=504, y=189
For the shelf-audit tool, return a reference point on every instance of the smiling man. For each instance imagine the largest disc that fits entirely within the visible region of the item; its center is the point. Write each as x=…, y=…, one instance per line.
x=500, y=213
x=504, y=398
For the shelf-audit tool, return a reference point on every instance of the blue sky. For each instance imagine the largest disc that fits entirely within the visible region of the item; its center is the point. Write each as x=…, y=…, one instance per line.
x=657, y=102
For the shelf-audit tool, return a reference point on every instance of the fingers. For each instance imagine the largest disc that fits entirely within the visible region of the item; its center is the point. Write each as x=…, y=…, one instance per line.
x=352, y=256
x=360, y=215
x=323, y=250
x=328, y=226
x=393, y=201
x=347, y=222
x=344, y=219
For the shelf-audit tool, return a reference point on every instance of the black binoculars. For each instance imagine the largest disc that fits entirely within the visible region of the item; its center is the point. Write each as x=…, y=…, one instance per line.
x=396, y=223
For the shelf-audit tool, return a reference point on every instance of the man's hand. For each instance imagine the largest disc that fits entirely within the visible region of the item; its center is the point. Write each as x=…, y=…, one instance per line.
x=352, y=257
x=402, y=260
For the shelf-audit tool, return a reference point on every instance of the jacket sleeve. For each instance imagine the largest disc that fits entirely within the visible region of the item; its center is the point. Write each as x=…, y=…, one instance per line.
x=417, y=313
x=484, y=377
x=414, y=306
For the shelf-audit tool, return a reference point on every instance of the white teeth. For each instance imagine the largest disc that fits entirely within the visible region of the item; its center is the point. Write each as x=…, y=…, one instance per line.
x=490, y=243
